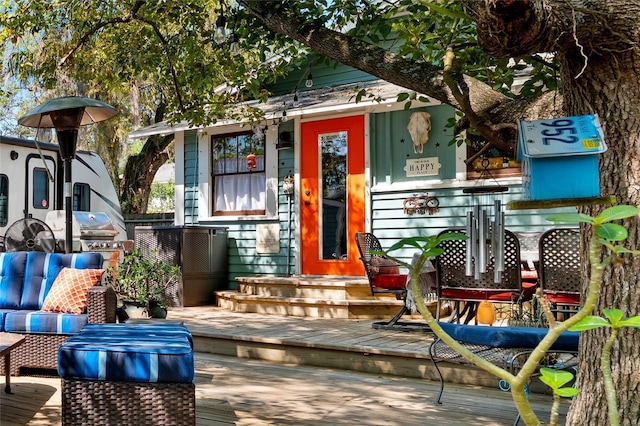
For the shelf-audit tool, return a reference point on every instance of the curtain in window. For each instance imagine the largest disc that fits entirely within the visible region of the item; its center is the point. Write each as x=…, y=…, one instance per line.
x=232, y=165
x=240, y=192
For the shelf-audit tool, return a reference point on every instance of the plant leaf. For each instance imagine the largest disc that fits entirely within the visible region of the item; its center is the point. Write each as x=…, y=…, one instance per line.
x=614, y=315
x=616, y=213
x=630, y=322
x=452, y=236
x=567, y=392
x=570, y=217
x=589, y=323
x=555, y=378
x=612, y=232
x=622, y=249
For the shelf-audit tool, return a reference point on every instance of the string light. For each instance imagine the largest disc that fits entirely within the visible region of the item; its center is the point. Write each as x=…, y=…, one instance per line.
x=220, y=33
x=309, y=82
x=296, y=102
x=234, y=46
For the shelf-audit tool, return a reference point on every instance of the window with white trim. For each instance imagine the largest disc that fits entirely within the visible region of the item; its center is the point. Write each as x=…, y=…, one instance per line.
x=238, y=174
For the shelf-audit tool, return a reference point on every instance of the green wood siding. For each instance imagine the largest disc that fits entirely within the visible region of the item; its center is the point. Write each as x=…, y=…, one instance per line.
x=389, y=222
x=391, y=145
x=190, y=177
x=323, y=76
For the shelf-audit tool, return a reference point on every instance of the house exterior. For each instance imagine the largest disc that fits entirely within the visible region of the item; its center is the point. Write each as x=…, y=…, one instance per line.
x=372, y=165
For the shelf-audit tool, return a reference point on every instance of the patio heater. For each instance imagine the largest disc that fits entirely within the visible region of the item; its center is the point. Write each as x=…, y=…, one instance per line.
x=66, y=115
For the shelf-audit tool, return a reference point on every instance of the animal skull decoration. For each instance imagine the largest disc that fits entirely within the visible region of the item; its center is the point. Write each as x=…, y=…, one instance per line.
x=419, y=127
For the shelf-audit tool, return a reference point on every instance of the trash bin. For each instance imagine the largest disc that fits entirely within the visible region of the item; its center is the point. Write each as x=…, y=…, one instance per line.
x=201, y=253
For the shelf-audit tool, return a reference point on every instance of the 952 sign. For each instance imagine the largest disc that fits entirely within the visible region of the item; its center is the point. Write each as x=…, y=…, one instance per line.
x=569, y=135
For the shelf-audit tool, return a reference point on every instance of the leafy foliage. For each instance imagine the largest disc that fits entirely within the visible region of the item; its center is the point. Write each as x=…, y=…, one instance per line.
x=143, y=280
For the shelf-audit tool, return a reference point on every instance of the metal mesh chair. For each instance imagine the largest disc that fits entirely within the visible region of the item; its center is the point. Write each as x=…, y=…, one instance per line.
x=454, y=285
x=560, y=278
x=384, y=277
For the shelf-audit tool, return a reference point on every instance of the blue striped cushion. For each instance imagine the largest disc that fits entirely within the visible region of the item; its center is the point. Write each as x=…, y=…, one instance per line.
x=12, y=270
x=3, y=313
x=128, y=355
x=36, y=322
x=129, y=330
x=43, y=268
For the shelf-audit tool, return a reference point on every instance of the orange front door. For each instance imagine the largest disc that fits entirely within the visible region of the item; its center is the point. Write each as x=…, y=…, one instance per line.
x=332, y=195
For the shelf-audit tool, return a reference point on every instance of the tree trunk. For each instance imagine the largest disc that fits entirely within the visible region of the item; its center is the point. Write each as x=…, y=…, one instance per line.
x=140, y=171
x=609, y=86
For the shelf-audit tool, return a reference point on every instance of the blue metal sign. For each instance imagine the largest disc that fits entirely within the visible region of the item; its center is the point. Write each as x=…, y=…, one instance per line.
x=578, y=135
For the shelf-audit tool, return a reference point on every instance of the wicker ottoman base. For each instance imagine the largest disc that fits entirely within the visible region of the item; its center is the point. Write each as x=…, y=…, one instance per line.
x=127, y=403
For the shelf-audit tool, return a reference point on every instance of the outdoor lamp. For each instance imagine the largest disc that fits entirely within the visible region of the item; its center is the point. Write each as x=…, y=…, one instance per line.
x=66, y=115
x=309, y=82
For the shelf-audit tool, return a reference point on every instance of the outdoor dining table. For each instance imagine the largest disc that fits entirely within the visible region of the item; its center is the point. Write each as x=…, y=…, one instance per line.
x=8, y=342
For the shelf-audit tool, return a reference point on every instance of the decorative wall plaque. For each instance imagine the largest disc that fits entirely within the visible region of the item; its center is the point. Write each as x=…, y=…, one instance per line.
x=428, y=166
x=268, y=238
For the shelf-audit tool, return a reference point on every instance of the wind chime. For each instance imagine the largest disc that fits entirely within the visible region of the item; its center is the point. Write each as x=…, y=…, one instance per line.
x=485, y=227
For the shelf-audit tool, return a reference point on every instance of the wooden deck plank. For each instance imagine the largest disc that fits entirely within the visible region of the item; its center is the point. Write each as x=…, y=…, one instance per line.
x=232, y=391
x=242, y=390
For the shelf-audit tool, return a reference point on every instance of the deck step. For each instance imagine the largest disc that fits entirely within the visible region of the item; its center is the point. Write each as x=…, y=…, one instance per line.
x=309, y=306
x=318, y=287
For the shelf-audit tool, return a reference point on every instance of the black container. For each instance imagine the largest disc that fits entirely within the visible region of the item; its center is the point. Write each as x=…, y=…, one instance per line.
x=201, y=253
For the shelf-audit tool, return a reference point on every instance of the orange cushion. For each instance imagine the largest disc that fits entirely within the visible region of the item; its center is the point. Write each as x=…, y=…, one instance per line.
x=69, y=291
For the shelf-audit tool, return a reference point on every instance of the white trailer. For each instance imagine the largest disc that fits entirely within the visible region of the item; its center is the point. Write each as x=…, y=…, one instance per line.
x=32, y=184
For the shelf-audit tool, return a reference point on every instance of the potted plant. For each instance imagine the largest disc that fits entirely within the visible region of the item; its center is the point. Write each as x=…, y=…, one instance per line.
x=143, y=286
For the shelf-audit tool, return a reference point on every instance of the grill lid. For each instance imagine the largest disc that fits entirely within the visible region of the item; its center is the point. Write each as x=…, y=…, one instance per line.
x=85, y=225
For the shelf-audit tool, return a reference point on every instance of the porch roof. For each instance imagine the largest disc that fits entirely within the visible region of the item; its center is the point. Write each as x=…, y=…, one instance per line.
x=316, y=101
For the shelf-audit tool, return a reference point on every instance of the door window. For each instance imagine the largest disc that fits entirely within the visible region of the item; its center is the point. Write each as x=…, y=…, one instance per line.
x=40, y=188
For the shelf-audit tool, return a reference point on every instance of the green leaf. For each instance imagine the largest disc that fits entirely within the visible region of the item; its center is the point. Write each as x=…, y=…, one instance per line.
x=612, y=232
x=630, y=322
x=570, y=217
x=616, y=213
x=446, y=12
x=402, y=97
x=589, y=323
x=567, y=392
x=413, y=242
x=555, y=378
x=622, y=249
x=614, y=315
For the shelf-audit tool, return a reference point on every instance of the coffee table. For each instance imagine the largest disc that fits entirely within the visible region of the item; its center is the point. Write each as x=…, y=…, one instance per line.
x=8, y=342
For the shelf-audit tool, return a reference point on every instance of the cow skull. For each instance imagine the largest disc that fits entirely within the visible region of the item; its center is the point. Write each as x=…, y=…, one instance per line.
x=419, y=127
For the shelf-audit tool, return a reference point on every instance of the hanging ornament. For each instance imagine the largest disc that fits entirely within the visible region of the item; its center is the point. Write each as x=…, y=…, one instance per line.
x=251, y=162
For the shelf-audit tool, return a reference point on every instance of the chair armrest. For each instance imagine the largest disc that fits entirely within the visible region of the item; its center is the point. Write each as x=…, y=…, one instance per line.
x=101, y=305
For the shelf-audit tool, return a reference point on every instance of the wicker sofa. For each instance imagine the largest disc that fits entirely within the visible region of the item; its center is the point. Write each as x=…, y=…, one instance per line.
x=26, y=279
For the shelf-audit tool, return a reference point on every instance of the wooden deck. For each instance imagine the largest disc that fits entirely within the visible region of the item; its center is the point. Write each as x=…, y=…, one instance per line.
x=254, y=369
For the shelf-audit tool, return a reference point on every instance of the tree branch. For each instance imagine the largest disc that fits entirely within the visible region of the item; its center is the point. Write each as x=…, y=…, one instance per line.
x=131, y=16
x=412, y=74
x=100, y=25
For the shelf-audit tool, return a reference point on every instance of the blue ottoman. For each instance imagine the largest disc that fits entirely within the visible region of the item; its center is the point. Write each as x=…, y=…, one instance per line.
x=139, y=374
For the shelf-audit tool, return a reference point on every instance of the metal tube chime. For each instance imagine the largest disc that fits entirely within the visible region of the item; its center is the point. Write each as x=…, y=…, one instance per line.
x=486, y=240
